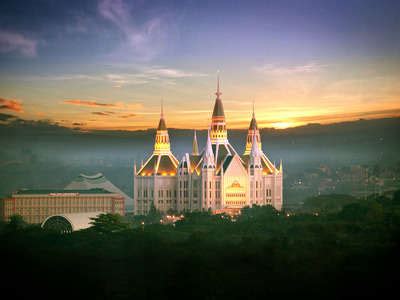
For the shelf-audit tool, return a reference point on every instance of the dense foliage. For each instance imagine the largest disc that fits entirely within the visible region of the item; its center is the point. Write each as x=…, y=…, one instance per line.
x=328, y=252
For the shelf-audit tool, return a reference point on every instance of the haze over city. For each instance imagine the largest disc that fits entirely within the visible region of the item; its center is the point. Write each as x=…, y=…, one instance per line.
x=108, y=64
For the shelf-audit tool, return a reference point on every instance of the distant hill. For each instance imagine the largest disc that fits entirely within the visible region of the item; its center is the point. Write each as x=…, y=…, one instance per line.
x=33, y=152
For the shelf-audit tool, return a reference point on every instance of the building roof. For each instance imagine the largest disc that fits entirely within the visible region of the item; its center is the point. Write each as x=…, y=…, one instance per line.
x=267, y=165
x=99, y=181
x=62, y=191
x=159, y=164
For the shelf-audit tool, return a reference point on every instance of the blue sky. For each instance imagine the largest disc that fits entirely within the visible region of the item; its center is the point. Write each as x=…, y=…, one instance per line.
x=300, y=61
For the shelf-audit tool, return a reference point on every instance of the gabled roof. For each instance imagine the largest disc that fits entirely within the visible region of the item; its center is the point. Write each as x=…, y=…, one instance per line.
x=267, y=165
x=159, y=164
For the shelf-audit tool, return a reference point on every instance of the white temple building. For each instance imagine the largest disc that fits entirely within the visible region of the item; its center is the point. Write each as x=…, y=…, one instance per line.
x=216, y=179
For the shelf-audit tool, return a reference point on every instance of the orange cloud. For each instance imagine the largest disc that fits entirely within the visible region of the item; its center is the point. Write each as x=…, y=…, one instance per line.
x=103, y=113
x=10, y=104
x=128, y=116
x=89, y=103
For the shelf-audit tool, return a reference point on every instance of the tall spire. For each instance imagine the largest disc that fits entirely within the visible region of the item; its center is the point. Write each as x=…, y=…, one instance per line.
x=218, y=93
x=195, y=147
x=218, y=126
x=161, y=124
x=162, y=144
x=254, y=115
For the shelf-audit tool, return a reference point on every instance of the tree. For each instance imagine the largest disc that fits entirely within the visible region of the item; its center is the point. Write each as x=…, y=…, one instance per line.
x=16, y=223
x=154, y=215
x=107, y=223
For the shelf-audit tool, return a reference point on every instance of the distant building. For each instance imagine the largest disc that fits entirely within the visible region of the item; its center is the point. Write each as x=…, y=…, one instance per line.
x=216, y=179
x=99, y=181
x=66, y=223
x=36, y=205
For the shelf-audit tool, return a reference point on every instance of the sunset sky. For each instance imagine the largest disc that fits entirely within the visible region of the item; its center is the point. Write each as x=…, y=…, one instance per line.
x=103, y=64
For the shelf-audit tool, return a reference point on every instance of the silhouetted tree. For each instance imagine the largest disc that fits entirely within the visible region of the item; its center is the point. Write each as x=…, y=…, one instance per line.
x=16, y=223
x=106, y=223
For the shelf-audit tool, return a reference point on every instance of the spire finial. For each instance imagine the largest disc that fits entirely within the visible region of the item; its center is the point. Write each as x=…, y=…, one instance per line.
x=218, y=93
x=162, y=108
x=254, y=115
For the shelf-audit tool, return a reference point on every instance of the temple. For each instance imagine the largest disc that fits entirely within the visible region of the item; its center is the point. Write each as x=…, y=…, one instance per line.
x=215, y=179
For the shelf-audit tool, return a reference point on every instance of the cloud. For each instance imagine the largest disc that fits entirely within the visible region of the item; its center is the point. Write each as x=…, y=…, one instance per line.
x=138, y=76
x=89, y=103
x=278, y=70
x=326, y=118
x=103, y=113
x=15, y=42
x=145, y=40
x=171, y=73
x=10, y=104
x=78, y=124
x=7, y=117
x=127, y=116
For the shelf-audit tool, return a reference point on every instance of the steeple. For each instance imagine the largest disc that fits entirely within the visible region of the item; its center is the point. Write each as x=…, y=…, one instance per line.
x=218, y=126
x=218, y=93
x=208, y=158
x=253, y=123
x=253, y=130
x=162, y=145
x=161, y=124
x=195, y=147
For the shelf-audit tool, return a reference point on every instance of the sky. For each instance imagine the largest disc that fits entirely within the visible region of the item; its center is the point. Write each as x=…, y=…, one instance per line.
x=103, y=64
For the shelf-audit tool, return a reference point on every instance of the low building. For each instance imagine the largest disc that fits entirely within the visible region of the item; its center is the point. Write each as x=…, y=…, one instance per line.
x=36, y=205
x=66, y=223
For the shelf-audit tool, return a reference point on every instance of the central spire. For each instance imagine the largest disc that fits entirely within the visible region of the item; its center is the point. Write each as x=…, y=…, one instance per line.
x=162, y=145
x=218, y=127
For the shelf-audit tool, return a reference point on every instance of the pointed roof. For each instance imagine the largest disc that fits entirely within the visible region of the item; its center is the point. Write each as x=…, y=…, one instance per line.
x=253, y=122
x=161, y=124
x=195, y=147
x=218, y=107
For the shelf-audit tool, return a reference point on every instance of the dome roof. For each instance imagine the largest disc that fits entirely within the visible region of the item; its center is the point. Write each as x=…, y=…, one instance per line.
x=162, y=125
x=253, y=124
x=218, y=108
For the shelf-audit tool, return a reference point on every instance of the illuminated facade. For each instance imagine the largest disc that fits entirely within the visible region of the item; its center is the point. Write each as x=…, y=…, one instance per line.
x=36, y=205
x=216, y=179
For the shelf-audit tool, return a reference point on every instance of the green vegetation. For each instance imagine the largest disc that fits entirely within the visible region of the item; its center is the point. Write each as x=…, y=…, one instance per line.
x=337, y=247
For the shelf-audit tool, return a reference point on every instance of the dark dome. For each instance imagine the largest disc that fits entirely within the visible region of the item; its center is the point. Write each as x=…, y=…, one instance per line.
x=218, y=109
x=253, y=124
x=162, y=125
